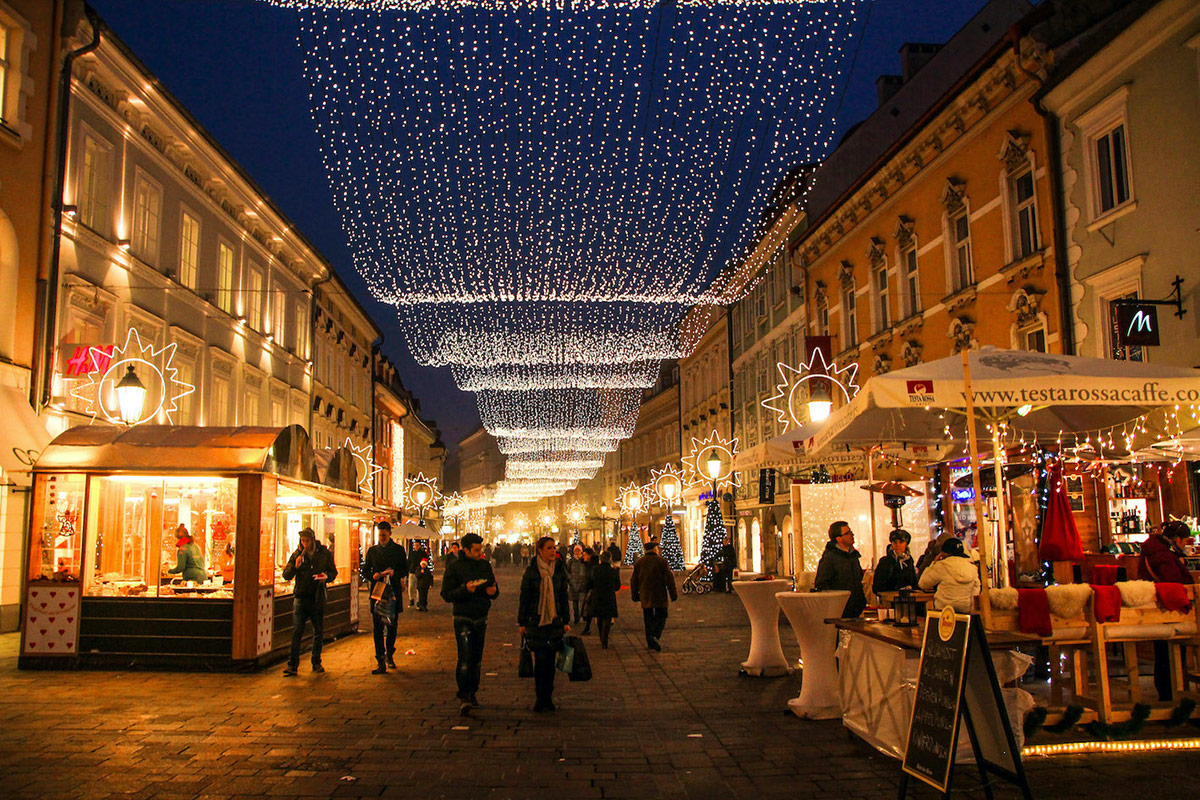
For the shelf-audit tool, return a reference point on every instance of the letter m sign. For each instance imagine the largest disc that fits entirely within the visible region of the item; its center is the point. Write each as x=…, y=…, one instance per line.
x=1136, y=325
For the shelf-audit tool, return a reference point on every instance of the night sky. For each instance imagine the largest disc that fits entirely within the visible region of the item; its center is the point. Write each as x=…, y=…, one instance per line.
x=235, y=65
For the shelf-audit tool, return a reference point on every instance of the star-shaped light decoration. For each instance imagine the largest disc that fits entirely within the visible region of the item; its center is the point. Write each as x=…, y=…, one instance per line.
x=790, y=404
x=455, y=506
x=695, y=465
x=367, y=467
x=667, y=484
x=154, y=368
x=631, y=499
x=423, y=492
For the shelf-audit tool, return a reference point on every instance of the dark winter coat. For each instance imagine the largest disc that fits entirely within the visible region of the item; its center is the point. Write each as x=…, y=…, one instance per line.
x=414, y=560
x=839, y=570
x=727, y=557
x=531, y=592
x=614, y=553
x=893, y=573
x=467, y=603
x=320, y=560
x=652, y=582
x=386, y=556
x=576, y=575
x=425, y=575
x=603, y=585
x=1161, y=562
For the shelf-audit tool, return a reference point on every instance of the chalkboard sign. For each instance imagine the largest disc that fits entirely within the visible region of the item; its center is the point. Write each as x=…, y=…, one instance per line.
x=933, y=728
x=957, y=681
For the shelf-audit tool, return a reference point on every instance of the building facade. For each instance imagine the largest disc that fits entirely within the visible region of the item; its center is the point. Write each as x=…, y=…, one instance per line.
x=1127, y=112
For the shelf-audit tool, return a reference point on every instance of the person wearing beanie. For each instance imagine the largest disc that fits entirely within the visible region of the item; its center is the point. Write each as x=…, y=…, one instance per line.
x=653, y=585
x=953, y=578
x=841, y=570
x=895, y=570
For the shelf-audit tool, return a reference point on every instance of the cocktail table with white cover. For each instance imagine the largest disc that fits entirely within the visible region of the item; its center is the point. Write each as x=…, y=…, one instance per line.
x=766, y=657
x=820, y=697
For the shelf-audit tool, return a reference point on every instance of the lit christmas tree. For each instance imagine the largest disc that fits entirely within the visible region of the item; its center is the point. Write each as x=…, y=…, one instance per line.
x=671, y=549
x=633, y=548
x=714, y=536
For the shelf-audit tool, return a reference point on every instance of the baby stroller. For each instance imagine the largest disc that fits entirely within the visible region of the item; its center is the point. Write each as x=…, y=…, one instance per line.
x=694, y=583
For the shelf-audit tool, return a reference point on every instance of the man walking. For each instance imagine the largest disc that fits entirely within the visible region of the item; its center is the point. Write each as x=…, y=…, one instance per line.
x=415, y=554
x=653, y=585
x=576, y=580
x=311, y=566
x=614, y=553
x=470, y=585
x=727, y=562
x=386, y=563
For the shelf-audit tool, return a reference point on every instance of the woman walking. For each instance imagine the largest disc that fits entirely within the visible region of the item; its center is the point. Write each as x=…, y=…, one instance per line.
x=603, y=585
x=543, y=612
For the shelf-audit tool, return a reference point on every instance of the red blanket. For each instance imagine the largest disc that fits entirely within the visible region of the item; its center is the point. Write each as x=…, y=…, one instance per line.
x=1173, y=597
x=1033, y=612
x=1106, y=603
x=1104, y=574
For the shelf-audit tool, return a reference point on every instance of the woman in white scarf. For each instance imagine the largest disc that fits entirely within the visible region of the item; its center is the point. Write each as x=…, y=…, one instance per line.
x=542, y=614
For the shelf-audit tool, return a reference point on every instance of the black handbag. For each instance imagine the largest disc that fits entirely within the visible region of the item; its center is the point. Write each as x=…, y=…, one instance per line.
x=525, y=660
x=581, y=668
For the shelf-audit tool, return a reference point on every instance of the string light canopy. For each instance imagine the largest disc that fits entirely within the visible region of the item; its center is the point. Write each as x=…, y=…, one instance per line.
x=545, y=190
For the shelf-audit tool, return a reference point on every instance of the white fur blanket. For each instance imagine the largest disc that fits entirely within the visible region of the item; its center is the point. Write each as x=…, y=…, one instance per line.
x=1136, y=594
x=1067, y=600
x=1003, y=599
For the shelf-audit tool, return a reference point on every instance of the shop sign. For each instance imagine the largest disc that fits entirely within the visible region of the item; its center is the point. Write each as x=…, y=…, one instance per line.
x=1137, y=325
x=963, y=495
x=82, y=360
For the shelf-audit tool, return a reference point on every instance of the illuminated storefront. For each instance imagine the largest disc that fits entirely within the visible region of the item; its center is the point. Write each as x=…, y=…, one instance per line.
x=108, y=505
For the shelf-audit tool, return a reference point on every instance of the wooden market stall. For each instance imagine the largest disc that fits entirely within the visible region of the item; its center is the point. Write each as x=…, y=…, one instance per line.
x=107, y=502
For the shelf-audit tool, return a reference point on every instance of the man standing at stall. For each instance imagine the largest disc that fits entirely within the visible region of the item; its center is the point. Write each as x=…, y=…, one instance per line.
x=840, y=569
x=470, y=585
x=387, y=564
x=312, y=568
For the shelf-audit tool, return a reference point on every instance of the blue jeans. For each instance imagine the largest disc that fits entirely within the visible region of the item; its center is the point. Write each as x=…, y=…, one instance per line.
x=307, y=609
x=470, y=635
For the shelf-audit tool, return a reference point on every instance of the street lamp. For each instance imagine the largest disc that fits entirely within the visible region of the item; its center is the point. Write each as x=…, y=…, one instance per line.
x=819, y=401
x=713, y=464
x=131, y=397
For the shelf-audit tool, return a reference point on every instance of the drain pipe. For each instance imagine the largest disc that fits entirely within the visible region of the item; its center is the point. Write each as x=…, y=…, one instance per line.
x=48, y=287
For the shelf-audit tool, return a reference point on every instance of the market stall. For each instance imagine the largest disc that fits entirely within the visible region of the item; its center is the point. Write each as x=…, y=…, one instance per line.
x=110, y=580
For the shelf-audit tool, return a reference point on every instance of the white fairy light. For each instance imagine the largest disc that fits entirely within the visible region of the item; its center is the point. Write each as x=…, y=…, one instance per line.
x=544, y=191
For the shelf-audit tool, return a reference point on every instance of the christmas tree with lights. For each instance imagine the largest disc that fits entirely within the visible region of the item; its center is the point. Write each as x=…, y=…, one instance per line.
x=633, y=547
x=671, y=549
x=714, y=536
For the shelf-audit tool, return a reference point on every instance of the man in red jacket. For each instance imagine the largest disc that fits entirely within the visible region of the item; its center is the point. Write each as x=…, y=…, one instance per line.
x=1162, y=562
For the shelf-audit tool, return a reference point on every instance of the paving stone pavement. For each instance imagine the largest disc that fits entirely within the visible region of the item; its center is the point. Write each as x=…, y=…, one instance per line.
x=676, y=724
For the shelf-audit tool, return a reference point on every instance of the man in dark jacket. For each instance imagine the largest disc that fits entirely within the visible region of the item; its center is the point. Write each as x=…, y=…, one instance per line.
x=415, y=554
x=726, y=561
x=470, y=585
x=651, y=585
x=311, y=567
x=576, y=580
x=543, y=615
x=385, y=563
x=614, y=553
x=840, y=569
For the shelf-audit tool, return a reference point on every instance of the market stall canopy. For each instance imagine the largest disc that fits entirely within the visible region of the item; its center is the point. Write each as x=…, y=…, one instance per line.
x=411, y=530
x=342, y=472
x=1037, y=394
x=24, y=436
x=186, y=449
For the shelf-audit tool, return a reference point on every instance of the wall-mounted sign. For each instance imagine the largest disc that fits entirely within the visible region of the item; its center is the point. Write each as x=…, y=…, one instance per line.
x=1137, y=325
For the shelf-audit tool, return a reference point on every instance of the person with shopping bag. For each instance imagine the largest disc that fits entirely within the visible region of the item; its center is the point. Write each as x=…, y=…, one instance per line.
x=386, y=569
x=543, y=616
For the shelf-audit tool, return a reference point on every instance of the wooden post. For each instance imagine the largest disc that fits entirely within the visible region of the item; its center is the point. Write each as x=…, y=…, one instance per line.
x=999, y=457
x=246, y=567
x=985, y=606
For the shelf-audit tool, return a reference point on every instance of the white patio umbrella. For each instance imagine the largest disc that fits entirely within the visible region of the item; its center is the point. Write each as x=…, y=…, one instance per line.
x=411, y=530
x=1036, y=395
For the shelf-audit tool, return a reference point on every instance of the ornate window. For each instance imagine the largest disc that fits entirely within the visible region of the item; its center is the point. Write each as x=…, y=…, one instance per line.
x=849, y=307
x=958, y=236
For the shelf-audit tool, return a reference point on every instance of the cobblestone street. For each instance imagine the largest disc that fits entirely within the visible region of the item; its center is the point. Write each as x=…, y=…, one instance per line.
x=679, y=724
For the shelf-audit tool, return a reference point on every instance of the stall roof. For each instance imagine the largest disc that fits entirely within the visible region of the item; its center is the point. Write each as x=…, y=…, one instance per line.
x=181, y=449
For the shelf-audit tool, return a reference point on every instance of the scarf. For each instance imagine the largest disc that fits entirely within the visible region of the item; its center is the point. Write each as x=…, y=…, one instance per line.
x=546, y=607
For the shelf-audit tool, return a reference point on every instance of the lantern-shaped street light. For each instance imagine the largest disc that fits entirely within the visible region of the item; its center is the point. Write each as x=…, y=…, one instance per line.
x=713, y=464
x=819, y=401
x=131, y=397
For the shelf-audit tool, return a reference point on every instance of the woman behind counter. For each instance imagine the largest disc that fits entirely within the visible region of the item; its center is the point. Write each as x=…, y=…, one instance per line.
x=189, y=563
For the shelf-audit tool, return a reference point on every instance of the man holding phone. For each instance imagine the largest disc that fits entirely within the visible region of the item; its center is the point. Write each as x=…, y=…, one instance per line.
x=470, y=585
x=311, y=567
x=386, y=567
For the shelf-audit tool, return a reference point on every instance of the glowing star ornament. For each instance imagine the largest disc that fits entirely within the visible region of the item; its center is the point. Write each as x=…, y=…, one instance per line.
x=367, y=467
x=666, y=484
x=696, y=465
x=576, y=513
x=153, y=368
x=800, y=389
x=454, y=506
x=632, y=499
x=423, y=492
